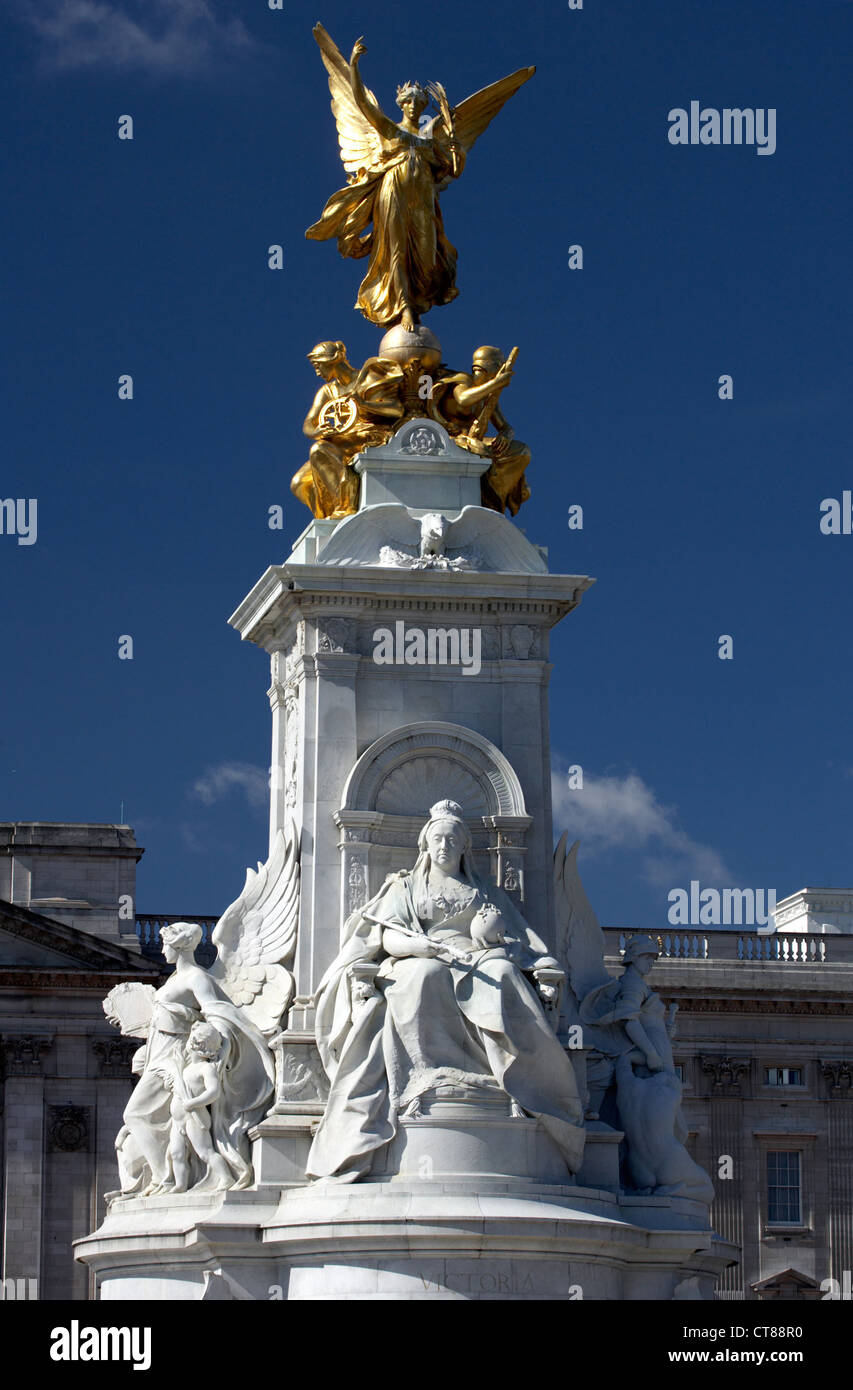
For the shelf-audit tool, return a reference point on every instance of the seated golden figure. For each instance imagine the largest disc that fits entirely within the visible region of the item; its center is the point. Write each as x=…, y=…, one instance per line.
x=468, y=404
x=351, y=410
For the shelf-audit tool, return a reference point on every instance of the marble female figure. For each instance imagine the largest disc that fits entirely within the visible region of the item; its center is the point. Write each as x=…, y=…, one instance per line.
x=451, y=1004
x=189, y=996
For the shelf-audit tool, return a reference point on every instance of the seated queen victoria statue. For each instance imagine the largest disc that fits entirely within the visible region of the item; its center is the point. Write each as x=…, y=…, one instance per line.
x=433, y=987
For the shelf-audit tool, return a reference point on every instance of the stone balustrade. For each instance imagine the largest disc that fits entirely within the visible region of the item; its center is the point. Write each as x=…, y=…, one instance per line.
x=148, y=931
x=747, y=946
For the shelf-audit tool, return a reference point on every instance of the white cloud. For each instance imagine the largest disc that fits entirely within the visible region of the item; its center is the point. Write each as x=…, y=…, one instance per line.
x=218, y=782
x=612, y=812
x=156, y=36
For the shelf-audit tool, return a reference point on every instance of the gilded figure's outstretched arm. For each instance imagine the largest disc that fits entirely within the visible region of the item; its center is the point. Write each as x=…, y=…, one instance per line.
x=368, y=109
x=362, y=126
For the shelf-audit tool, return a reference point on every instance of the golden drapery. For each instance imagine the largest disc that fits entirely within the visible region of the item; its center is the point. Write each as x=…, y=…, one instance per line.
x=412, y=264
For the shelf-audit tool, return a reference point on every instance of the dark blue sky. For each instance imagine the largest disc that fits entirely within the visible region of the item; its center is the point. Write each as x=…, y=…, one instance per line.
x=701, y=516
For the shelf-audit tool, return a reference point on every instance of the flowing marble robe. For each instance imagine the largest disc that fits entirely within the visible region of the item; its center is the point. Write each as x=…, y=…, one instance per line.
x=429, y=1021
x=411, y=260
x=247, y=1076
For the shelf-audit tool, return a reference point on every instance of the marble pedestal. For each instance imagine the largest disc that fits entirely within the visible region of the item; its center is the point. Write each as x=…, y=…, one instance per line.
x=416, y=1239
x=456, y=1135
x=467, y=1202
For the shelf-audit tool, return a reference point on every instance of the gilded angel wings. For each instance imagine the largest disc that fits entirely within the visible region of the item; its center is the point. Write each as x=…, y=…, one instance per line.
x=360, y=142
x=256, y=936
x=363, y=144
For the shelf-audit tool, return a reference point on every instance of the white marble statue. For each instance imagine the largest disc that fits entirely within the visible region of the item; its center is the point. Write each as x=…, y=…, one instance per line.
x=631, y=1073
x=194, y=1090
x=206, y=1071
x=435, y=985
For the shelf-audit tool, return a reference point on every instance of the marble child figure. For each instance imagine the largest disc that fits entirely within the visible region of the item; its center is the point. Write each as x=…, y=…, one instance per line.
x=450, y=1004
x=194, y=1089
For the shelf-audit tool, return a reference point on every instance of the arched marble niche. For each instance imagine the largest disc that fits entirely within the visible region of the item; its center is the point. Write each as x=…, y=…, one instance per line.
x=393, y=784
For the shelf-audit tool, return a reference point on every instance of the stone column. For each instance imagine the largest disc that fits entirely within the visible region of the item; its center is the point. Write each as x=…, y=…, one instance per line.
x=525, y=740
x=278, y=705
x=726, y=1138
x=838, y=1077
x=330, y=748
x=23, y=1149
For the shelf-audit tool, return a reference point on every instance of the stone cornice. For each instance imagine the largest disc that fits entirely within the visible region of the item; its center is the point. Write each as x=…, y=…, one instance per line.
x=32, y=980
x=735, y=1004
x=285, y=592
x=80, y=948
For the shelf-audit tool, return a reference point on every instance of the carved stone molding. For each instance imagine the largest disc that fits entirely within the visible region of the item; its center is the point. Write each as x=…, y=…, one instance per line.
x=725, y=1073
x=301, y=1083
x=839, y=1079
x=276, y=695
x=520, y=642
x=24, y=1054
x=451, y=743
x=68, y=1129
x=356, y=884
x=424, y=441
x=511, y=879
x=334, y=635
x=708, y=1004
x=424, y=780
x=115, y=1056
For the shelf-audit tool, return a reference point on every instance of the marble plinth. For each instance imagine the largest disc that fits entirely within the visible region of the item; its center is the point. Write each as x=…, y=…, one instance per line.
x=467, y=1202
x=459, y=1137
x=419, y=1240
x=423, y=468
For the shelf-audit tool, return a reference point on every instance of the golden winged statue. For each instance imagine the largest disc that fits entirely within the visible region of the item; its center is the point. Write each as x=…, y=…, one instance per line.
x=389, y=210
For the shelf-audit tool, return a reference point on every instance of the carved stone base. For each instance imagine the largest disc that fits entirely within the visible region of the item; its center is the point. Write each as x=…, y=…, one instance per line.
x=420, y=1239
x=461, y=1133
x=280, y=1145
x=600, y=1167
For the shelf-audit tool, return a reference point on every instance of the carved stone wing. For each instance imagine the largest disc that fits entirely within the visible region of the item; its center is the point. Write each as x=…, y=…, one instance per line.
x=360, y=142
x=471, y=116
x=579, y=936
x=256, y=936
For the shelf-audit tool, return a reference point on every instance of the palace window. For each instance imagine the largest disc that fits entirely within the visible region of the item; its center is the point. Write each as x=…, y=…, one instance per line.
x=784, y=1188
x=783, y=1076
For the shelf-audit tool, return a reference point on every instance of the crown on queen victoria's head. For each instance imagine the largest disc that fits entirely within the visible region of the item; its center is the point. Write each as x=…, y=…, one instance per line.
x=444, y=810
